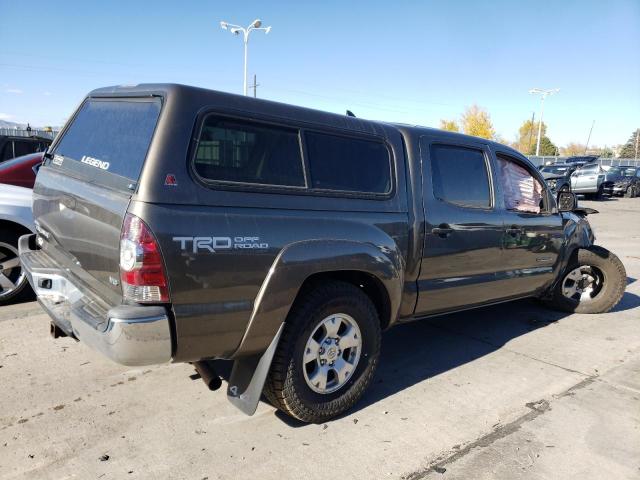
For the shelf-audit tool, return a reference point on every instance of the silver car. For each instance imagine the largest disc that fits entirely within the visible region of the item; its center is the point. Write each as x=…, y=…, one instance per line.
x=16, y=219
x=592, y=180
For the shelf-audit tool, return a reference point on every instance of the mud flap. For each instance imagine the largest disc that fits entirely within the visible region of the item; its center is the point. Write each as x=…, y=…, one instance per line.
x=248, y=376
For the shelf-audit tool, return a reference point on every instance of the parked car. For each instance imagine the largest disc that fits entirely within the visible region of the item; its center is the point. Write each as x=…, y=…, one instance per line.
x=17, y=146
x=558, y=177
x=627, y=183
x=16, y=220
x=592, y=180
x=21, y=171
x=193, y=225
x=581, y=160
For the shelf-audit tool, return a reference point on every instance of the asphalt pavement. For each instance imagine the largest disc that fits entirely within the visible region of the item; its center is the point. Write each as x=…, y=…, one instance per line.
x=505, y=392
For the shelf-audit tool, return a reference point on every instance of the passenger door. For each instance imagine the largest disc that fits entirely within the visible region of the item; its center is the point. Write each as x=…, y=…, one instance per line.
x=532, y=241
x=464, y=229
x=585, y=179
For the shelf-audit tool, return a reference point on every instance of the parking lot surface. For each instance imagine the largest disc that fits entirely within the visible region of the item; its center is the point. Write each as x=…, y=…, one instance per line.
x=510, y=391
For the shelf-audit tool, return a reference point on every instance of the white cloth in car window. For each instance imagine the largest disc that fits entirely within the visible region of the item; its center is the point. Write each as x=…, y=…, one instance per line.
x=522, y=192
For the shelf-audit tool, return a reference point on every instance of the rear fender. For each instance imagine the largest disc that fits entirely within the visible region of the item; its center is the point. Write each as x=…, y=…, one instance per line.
x=300, y=260
x=290, y=269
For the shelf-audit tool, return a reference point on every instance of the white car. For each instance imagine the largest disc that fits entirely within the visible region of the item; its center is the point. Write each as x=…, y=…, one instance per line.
x=16, y=219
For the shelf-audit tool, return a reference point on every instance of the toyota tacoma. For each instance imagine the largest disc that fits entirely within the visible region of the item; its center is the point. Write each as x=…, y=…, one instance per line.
x=177, y=224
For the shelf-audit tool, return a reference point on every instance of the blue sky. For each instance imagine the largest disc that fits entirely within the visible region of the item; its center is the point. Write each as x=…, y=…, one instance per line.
x=413, y=62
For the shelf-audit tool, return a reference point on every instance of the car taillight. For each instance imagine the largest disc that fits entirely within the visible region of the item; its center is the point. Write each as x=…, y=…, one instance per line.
x=142, y=272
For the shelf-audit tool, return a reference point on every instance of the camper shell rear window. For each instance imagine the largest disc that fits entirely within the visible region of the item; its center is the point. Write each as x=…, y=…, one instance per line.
x=112, y=135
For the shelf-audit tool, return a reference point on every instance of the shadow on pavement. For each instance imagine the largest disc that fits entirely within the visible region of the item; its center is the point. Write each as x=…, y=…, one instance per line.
x=416, y=351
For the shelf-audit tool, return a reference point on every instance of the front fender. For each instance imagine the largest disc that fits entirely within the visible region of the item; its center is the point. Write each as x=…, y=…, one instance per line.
x=297, y=262
x=577, y=234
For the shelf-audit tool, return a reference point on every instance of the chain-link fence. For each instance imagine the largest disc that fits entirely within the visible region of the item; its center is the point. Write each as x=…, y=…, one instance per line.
x=14, y=132
x=537, y=161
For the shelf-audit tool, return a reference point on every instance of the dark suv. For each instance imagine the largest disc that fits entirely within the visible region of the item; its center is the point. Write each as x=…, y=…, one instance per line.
x=558, y=177
x=177, y=224
x=17, y=146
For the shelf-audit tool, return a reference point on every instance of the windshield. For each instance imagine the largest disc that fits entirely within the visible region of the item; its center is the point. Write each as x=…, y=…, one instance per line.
x=615, y=171
x=113, y=135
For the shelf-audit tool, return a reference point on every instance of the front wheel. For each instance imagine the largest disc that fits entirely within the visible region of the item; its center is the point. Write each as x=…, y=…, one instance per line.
x=327, y=354
x=594, y=282
x=631, y=191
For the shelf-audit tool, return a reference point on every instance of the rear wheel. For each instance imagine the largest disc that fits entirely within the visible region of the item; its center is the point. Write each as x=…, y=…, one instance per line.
x=327, y=354
x=594, y=282
x=13, y=280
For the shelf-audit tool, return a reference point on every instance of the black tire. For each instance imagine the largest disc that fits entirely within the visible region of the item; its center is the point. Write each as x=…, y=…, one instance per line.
x=286, y=387
x=9, y=243
x=599, y=195
x=613, y=282
x=630, y=192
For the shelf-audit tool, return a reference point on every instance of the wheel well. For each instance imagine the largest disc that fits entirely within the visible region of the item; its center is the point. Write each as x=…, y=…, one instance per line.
x=368, y=283
x=6, y=225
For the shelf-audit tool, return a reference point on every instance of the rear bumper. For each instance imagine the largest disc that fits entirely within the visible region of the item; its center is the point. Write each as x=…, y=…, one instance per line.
x=127, y=334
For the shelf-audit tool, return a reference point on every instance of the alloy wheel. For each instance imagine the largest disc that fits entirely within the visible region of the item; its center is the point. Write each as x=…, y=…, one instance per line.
x=332, y=353
x=583, y=283
x=11, y=275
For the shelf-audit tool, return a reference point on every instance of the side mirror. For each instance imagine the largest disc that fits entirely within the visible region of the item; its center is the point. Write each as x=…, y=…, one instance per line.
x=567, y=201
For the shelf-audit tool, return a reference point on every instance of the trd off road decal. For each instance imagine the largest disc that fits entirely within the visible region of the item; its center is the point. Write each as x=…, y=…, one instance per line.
x=214, y=244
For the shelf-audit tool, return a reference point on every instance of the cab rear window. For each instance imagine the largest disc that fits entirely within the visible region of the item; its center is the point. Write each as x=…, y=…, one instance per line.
x=112, y=135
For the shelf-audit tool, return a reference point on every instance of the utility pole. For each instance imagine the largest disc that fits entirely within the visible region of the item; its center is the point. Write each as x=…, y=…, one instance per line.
x=589, y=137
x=637, y=136
x=543, y=95
x=255, y=85
x=237, y=30
x=533, y=119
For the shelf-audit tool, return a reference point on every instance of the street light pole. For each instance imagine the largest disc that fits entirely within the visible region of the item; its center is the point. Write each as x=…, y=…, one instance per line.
x=236, y=30
x=543, y=95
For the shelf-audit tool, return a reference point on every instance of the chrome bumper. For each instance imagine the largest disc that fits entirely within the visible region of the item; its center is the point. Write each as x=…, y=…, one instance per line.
x=130, y=335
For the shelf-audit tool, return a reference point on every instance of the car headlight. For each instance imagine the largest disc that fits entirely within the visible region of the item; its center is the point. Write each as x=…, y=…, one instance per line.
x=552, y=184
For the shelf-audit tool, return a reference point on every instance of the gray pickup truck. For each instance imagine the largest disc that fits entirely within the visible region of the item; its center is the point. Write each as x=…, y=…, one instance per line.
x=177, y=224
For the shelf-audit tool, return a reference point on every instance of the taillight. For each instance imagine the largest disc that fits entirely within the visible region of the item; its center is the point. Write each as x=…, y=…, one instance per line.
x=142, y=272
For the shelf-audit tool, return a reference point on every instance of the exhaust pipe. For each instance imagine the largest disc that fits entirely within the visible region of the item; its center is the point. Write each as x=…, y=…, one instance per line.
x=56, y=331
x=208, y=374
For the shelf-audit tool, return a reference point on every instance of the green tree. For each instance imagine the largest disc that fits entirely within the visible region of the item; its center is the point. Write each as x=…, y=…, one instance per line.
x=547, y=148
x=606, y=152
x=629, y=148
x=528, y=136
x=449, y=125
x=477, y=122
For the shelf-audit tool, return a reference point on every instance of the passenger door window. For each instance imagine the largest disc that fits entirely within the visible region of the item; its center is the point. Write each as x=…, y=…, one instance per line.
x=522, y=192
x=460, y=176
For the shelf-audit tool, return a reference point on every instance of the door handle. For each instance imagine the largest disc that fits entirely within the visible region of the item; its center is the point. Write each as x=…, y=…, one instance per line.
x=443, y=230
